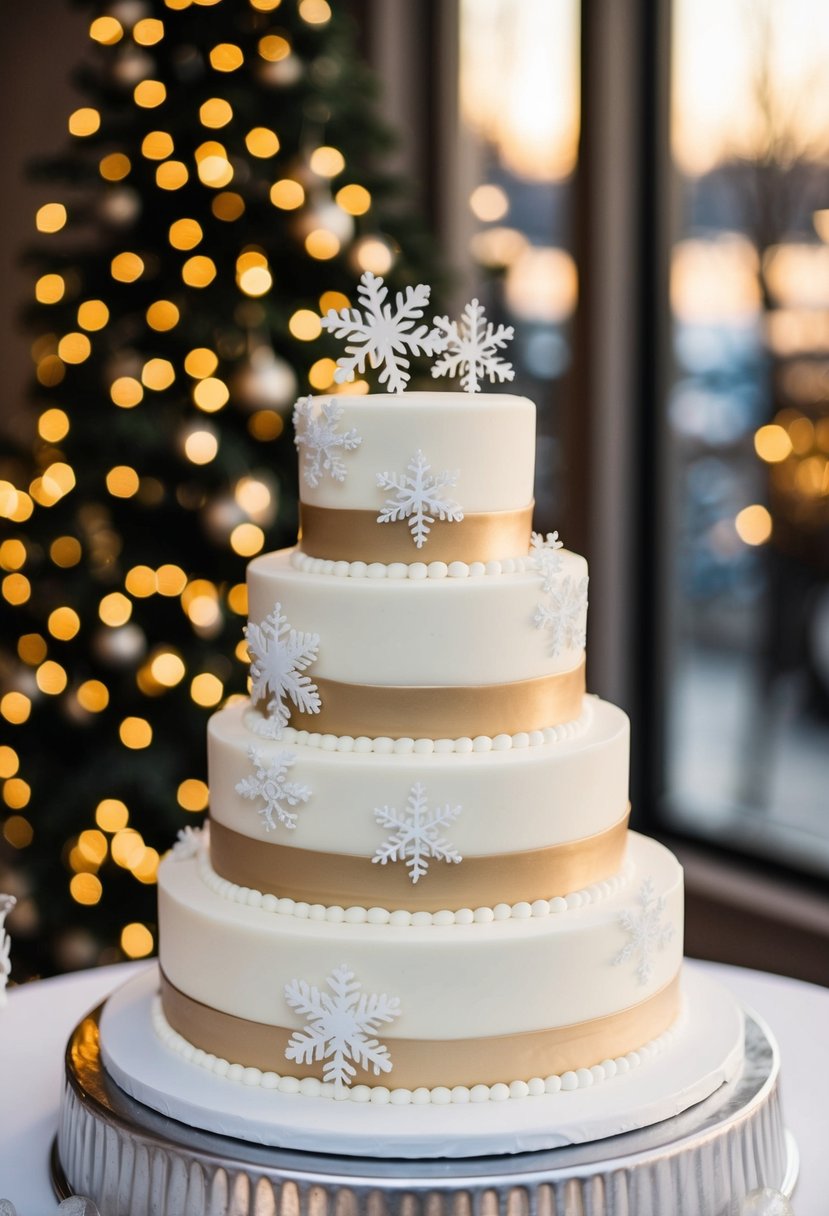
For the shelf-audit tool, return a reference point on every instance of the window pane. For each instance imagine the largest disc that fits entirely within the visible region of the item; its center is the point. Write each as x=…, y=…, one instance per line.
x=519, y=100
x=748, y=424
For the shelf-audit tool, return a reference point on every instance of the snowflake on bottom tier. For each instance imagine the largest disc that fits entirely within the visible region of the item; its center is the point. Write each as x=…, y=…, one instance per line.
x=317, y=436
x=470, y=347
x=545, y=557
x=269, y=783
x=338, y=1025
x=647, y=931
x=416, y=838
x=418, y=497
x=279, y=654
x=382, y=336
x=564, y=615
x=189, y=841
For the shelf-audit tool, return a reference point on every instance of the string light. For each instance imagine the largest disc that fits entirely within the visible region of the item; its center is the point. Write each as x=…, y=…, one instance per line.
x=201, y=362
x=51, y=678
x=247, y=539
x=12, y=554
x=372, y=253
x=265, y=6
x=115, y=167
x=167, y=668
x=136, y=940
x=122, y=481
x=127, y=267
x=185, y=234
x=273, y=47
x=93, y=696
x=305, y=325
x=148, y=31
x=206, y=689
x=9, y=761
x=172, y=175
x=31, y=648
x=198, y=271
x=141, y=581
x=15, y=707
x=57, y=480
x=163, y=315
x=321, y=374
x=50, y=371
x=16, y=589
x=265, y=425
x=49, y=289
x=65, y=551
x=215, y=170
x=127, y=848
x=86, y=889
x=146, y=870
x=16, y=793
x=315, y=12
x=158, y=374
x=157, y=145
x=335, y=300
x=192, y=795
x=149, y=93
x=126, y=392
x=353, y=199
x=199, y=599
x=754, y=525
x=106, y=30
x=135, y=733
x=215, y=112
x=200, y=447
x=226, y=57
x=327, y=161
x=237, y=599
x=773, y=443
x=74, y=348
x=228, y=206
x=322, y=244
x=115, y=609
x=262, y=142
x=83, y=122
x=111, y=815
x=242, y=653
x=18, y=831
x=92, y=846
x=63, y=623
x=253, y=497
x=93, y=315
x=211, y=394
x=171, y=580
x=287, y=194
x=51, y=217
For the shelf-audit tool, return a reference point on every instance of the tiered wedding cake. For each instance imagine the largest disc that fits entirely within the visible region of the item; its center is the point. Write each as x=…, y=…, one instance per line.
x=418, y=883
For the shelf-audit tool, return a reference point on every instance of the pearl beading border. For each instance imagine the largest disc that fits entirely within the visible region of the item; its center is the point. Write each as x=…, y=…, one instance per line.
x=440, y=1095
x=260, y=726
x=356, y=915
x=413, y=570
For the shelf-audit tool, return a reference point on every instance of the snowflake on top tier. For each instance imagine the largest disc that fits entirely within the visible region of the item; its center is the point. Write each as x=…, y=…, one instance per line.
x=564, y=614
x=279, y=656
x=382, y=336
x=339, y=1026
x=7, y=902
x=470, y=347
x=418, y=497
x=317, y=435
x=269, y=783
x=416, y=836
x=647, y=931
x=545, y=557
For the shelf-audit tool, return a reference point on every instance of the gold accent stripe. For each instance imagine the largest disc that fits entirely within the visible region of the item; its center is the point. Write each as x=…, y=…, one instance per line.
x=432, y=1062
x=445, y=712
x=350, y=535
x=336, y=878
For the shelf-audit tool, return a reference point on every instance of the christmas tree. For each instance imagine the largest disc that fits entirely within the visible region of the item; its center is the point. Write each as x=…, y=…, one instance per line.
x=222, y=188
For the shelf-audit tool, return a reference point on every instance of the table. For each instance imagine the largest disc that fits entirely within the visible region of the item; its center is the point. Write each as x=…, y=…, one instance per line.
x=36, y=1022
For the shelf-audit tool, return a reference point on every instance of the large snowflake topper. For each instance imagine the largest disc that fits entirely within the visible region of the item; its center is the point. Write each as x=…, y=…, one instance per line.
x=189, y=841
x=416, y=834
x=341, y=1026
x=381, y=335
x=7, y=902
x=418, y=497
x=270, y=783
x=319, y=438
x=279, y=656
x=469, y=348
x=545, y=557
x=647, y=931
x=564, y=614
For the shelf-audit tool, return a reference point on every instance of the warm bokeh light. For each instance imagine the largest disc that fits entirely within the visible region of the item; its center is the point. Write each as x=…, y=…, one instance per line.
x=111, y=815
x=228, y=206
x=15, y=707
x=122, y=481
x=201, y=446
x=148, y=31
x=12, y=554
x=255, y=281
x=141, y=582
x=753, y=524
x=305, y=325
x=198, y=271
x=372, y=253
x=193, y=795
x=274, y=47
x=287, y=194
x=93, y=696
x=163, y=315
x=16, y=793
x=51, y=217
x=542, y=285
x=16, y=589
x=135, y=733
x=49, y=289
x=106, y=30
x=127, y=267
x=157, y=374
x=65, y=551
x=83, y=122
x=315, y=12
x=136, y=940
x=53, y=425
x=262, y=142
x=237, y=598
x=185, y=234
x=93, y=315
x=265, y=425
x=206, y=689
x=74, y=348
x=354, y=199
x=215, y=112
x=51, y=678
x=63, y=623
x=247, y=539
x=149, y=93
x=115, y=609
x=114, y=167
x=86, y=889
x=488, y=203
x=201, y=362
x=327, y=161
x=322, y=244
x=172, y=175
x=171, y=580
x=9, y=761
x=167, y=668
x=18, y=832
x=211, y=394
x=226, y=57
x=126, y=392
x=772, y=443
x=32, y=648
x=157, y=145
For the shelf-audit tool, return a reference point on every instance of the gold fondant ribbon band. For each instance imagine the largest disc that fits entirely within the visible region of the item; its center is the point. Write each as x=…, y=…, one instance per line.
x=335, y=878
x=432, y=1062
x=441, y=712
x=355, y=536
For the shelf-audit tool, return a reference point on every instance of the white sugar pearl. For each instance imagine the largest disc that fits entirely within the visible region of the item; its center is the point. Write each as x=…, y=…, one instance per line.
x=522, y=910
x=318, y=565
x=493, y=567
x=559, y=904
x=584, y=1077
x=484, y=916
x=270, y=1080
x=622, y=1065
x=363, y=744
x=376, y=570
x=314, y=738
x=397, y=570
x=609, y=1068
x=234, y=1073
x=476, y=569
x=421, y=1096
x=286, y=907
x=424, y=747
x=536, y=738
x=358, y=569
x=317, y=912
x=575, y=900
x=384, y=746
x=502, y=911
x=519, y=1089
x=329, y=743
x=458, y=570
x=380, y=1095
x=221, y=1067
x=540, y=907
x=403, y=747
x=502, y=743
x=464, y=916
x=633, y=1059
x=341, y=569
x=444, y=917
x=345, y=743
x=301, y=909
x=499, y=1092
x=444, y=746
x=536, y=1087
x=479, y=1093
x=569, y=1081
x=460, y=1094
x=356, y=915
x=400, y=917
x=269, y=903
x=438, y=569
x=400, y=1097
x=482, y=743
x=521, y=740
x=360, y=1093
x=378, y=916
x=421, y=919
x=289, y=1085
x=441, y=1096
x=328, y=567
x=311, y=1087
x=463, y=745
x=598, y=1072
x=336, y=914
x=198, y=1058
x=418, y=570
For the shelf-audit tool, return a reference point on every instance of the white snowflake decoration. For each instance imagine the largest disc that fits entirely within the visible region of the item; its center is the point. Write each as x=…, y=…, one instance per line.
x=418, y=497
x=270, y=783
x=341, y=1026
x=545, y=557
x=7, y=902
x=319, y=438
x=188, y=842
x=564, y=615
x=381, y=335
x=469, y=348
x=279, y=656
x=416, y=834
x=647, y=931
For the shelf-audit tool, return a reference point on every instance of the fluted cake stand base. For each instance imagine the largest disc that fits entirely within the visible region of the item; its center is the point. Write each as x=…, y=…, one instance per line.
x=135, y=1161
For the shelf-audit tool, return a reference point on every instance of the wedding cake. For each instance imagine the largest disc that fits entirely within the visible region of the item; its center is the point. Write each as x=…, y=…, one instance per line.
x=418, y=884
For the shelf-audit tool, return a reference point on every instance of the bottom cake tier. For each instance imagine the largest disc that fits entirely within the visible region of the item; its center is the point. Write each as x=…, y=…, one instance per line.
x=537, y=1000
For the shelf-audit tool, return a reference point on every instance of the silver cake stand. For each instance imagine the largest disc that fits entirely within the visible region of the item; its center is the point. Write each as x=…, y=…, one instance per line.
x=135, y=1162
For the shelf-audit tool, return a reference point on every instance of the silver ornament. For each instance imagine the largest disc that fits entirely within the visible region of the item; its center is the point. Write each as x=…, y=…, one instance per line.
x=129, y=12
x=327, y=215
x=119, y=646
x=131, y=67
x=119, y=207
x=264, y=381
x=282, y=74
x=221, y=516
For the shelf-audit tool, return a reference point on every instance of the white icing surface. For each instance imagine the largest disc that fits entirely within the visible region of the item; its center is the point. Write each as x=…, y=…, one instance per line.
x=439, y=1095
x=414, y=569
x=333, y=914
x=417, y=631
x=488, y=437
x=514, y=798
x=462, y=981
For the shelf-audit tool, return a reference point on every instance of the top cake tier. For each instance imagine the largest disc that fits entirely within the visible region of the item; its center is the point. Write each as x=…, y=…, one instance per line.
x=469, y=458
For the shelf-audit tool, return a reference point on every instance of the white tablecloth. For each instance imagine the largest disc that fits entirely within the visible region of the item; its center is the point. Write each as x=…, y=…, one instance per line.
x=36, y=1022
